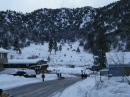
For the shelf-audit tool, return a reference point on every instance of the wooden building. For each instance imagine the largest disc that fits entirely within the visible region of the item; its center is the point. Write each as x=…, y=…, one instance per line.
x=38, y=65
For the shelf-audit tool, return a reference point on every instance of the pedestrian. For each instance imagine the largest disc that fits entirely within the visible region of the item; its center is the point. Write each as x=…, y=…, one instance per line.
x=43, y=76
x=82, y=75
x=59, y=76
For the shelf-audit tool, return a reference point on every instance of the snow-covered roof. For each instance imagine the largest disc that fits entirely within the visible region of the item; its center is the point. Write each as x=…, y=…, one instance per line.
x=26, y=61
x=104, y=70
x=3, y=50
x=45, y=59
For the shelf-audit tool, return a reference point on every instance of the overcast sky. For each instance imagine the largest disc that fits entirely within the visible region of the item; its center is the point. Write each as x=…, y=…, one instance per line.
x=31, y=5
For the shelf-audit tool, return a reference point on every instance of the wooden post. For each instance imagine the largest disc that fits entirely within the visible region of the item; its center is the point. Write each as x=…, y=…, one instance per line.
x=100, y=75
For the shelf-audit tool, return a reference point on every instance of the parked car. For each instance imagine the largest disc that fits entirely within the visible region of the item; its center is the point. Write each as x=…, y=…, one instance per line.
x=8, y=71
x=25, y=73
x=19, y=73
x=30, y=73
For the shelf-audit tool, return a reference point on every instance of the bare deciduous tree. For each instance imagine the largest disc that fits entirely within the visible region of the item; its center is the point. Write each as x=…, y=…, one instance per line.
x=118, y=59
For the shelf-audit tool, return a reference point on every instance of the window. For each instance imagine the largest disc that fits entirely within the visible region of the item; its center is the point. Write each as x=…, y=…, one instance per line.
x=4, y=55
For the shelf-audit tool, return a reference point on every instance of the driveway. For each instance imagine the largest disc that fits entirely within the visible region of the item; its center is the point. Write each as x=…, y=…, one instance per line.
x=42, y=89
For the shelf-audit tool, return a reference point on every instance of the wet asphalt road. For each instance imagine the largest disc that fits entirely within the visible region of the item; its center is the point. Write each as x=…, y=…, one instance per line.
x=42, y=89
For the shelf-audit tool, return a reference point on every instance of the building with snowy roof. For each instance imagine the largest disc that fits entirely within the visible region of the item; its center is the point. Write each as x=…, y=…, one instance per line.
x=3, y=57
x=118, y=63
x=36, y=64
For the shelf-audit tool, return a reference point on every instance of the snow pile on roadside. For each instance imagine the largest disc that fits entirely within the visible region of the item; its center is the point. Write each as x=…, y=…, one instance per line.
x=92, y=87
x=10, y=81
x=110, y=89
x=79, y=89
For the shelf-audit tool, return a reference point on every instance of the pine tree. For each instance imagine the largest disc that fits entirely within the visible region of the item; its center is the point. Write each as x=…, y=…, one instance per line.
x=128, y=44
x=81, y=43
x=5, y=43
x=20, y=52
x=55, y=46
x=47, y=37
x=100, y=48
x=60, y=47
x=86, y=46
x=49, y=58
x=16, y=44
x=90, y=43
x=50, y=44
x=78, y=50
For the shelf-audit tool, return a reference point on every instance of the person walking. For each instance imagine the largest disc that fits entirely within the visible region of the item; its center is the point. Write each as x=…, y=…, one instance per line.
x=43, y=76
x=82, y=75
x=59, y=76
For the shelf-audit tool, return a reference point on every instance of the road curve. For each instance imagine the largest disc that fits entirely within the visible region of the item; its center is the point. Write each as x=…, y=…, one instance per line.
x=42, y=89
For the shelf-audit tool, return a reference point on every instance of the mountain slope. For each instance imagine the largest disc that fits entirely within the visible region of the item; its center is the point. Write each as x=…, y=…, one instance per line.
x=67, y=56
x=67, y=24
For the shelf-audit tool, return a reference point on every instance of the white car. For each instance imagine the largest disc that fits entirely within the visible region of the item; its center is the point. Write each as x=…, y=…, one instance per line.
x=30, y=73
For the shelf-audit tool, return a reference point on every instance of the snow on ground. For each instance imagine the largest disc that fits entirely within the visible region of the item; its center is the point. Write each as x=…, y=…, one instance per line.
x=76, y=70
x=62, y=58
x=90, y=87
x=10, y=81
x=79, y=89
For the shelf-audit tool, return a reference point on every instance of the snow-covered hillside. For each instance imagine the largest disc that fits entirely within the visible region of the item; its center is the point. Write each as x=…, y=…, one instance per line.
x=66, y=57
x=90, y=87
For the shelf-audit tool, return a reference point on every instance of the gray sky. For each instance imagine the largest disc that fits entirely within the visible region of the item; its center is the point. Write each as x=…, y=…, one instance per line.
x=31, y=5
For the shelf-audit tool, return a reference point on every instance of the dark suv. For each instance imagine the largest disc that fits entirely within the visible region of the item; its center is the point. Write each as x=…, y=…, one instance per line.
x=25, y=73
x=20, y=73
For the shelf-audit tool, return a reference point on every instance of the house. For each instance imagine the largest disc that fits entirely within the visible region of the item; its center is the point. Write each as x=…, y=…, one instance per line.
x=3, y=57
x=36, y=64
x=20, y=63
x=118, y=63
x=40, y=67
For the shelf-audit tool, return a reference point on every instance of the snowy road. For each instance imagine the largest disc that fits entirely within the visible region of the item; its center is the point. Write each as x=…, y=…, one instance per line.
x=42, y=89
